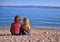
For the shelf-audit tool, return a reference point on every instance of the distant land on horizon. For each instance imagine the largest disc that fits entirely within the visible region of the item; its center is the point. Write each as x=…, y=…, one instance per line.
x=33, y=6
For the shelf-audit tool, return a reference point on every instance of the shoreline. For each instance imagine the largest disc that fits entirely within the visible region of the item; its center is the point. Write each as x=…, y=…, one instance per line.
x=32, y=29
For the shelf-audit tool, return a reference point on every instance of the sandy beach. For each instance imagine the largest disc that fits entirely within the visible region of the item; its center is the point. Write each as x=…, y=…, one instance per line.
x=36, y=35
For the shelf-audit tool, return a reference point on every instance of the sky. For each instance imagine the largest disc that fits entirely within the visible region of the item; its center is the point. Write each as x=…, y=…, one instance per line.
x=30, y=2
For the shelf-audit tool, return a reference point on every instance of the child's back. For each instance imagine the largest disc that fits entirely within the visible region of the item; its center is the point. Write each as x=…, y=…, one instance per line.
x=25, y=26
x=15, y=28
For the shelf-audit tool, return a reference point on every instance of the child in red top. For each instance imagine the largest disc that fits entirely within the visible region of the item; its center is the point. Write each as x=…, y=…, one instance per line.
x=15, y=27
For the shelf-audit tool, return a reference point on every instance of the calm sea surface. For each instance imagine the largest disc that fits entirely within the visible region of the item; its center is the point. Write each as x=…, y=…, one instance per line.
x=39, y=17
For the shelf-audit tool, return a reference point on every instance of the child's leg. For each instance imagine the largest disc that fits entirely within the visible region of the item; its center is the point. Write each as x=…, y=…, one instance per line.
x=26, y=32
x=23, y=33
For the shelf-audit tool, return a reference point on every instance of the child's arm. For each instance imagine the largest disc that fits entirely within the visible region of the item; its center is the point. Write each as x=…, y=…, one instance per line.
x=29, y=26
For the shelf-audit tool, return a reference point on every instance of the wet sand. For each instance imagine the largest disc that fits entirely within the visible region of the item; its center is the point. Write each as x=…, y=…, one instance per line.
x=36, y=35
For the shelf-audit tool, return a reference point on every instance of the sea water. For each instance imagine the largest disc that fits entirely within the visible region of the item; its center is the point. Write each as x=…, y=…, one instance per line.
x=39, y=17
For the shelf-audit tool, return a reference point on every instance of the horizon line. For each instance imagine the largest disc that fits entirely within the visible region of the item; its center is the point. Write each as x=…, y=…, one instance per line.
x=29, y=6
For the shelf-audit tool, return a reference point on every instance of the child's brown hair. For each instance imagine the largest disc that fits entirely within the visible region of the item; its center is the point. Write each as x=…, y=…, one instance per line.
x=15, y=19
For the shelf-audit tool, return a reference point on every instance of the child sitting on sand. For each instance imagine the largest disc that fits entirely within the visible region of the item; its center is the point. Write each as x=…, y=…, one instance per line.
x=25, y=26
x=15, y=27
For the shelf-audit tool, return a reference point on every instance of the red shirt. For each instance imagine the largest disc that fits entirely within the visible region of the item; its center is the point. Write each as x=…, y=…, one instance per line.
x=15, y=28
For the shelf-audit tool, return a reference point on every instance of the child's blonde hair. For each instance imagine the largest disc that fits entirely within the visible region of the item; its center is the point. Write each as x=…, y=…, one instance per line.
x=26, y=23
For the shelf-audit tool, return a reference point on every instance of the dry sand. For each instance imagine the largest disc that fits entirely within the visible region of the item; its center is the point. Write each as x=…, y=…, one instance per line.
x=37, y=35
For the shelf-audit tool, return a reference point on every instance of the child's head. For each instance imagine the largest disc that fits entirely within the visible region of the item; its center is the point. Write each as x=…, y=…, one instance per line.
x=17, y=18
x=26, y=21
x=26, y=24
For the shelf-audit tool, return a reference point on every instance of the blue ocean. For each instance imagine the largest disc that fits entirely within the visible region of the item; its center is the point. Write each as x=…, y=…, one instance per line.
x=40, y=17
